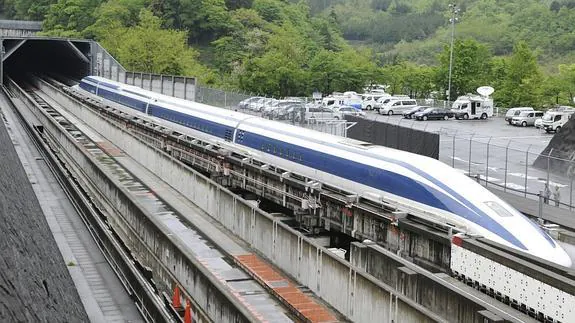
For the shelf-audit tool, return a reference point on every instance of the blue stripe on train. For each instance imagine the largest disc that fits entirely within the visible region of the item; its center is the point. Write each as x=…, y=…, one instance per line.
x=377, y=178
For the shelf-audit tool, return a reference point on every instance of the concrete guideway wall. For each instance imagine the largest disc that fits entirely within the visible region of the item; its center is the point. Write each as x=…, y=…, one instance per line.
x=150, y=242
x=357, y=295
x=426, y=288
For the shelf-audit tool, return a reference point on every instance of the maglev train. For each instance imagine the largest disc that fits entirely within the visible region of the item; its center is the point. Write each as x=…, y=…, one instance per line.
x=420, y=185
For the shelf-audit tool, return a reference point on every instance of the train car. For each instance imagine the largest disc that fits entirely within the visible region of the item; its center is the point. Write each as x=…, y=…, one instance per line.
x=423, y=186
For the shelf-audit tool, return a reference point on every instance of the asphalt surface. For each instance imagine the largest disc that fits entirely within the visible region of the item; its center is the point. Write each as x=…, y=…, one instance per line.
x=494, y=151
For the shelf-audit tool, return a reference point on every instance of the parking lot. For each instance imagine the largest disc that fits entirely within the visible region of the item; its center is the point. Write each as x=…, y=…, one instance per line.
x=493, y=151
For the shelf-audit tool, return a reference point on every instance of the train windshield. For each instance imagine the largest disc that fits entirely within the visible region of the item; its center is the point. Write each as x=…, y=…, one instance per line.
x=498, y=208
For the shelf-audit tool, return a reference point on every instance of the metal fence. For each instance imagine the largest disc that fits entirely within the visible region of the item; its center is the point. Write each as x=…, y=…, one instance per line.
x=230, y=100
x=511, y=165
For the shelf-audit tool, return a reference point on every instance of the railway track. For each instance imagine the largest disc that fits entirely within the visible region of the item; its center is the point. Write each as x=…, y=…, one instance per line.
x=151, y=306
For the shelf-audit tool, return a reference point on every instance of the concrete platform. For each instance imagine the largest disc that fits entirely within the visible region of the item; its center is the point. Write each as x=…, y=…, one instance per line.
x=561, y=216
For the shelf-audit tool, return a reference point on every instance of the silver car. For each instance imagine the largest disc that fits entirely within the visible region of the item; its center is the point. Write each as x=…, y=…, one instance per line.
x=527, y=118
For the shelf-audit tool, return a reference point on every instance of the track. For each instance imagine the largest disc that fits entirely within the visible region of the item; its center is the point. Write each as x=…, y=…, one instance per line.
x=132, y=278
x=266, y=308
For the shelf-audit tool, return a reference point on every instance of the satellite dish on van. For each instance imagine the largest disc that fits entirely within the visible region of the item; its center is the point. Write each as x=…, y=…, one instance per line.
x=485, y=90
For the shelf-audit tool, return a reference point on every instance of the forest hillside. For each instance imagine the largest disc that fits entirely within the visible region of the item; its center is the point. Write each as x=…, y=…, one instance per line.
x=523, y=48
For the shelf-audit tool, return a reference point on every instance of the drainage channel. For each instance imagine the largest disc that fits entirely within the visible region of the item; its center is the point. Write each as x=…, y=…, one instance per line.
x=248, y=292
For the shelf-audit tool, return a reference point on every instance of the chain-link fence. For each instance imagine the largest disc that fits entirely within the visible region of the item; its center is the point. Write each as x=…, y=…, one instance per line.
x=513, y=166
x=231, y=100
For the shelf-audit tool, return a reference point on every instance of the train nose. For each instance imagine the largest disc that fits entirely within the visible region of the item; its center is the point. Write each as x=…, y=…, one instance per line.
x=562, y=257
x=556, y=255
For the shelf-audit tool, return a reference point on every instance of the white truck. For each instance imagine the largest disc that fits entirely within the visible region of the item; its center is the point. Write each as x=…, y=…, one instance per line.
x=473, y=106
x=554, y=120
x=339, y=99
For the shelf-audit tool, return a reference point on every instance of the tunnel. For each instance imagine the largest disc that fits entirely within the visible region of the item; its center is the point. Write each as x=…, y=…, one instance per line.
x=72, y=59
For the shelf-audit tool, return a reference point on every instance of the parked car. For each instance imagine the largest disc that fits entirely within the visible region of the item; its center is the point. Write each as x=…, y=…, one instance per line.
x=409, y=113
x=397, y=106
x=288, y=112
x=276, y=104
x=314, y=112
x=515, y=112
x=368, y=101
x=349, y=111
x=539, y=123
x=261, y=104
x=434, y=114
x=245, y=103
x=385, y=100
x=527, y=118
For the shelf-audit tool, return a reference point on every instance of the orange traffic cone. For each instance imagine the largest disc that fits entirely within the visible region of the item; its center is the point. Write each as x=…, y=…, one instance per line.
x=176, y=301
x=188, y=312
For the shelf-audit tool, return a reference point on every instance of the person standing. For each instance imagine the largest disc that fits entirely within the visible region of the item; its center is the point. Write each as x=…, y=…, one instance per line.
x=546, y=194
x=556, y=195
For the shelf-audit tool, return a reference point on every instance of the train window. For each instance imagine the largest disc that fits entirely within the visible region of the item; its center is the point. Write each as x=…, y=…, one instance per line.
x=498, y=208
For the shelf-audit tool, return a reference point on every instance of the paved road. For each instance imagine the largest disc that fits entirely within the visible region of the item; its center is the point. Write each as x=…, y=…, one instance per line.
x=501, y=153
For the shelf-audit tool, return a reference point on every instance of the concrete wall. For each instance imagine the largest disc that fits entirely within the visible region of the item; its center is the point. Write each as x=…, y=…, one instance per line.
x=105, y=65
x=176, y=86
x=147, y=239
x=19, y=28
x=449, y=302
x=351, y=291
x=35, y=285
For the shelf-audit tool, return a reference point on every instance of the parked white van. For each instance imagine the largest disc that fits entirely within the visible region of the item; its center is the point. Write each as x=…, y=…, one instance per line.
x=554, y=120
x=385, y=99
x=515, y=112
x=369, y=100
x=397, y=106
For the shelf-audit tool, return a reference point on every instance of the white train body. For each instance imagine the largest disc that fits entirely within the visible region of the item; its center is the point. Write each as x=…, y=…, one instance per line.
x=424, y=186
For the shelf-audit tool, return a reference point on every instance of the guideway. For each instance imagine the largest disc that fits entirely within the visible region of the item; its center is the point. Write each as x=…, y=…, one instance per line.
x=121, y=122
x=240, y=297
x=354, y=294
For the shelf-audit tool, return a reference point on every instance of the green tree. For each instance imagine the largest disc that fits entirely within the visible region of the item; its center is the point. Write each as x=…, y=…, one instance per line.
x=347, y=70
x=112, y=14
x=148, y=48
x=205, y=20
x=30, y=9
x=521, y=86
x=69, y=17
x=470, y=68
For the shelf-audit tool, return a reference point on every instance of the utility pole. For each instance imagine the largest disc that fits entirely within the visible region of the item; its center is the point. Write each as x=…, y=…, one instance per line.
x=454, y=11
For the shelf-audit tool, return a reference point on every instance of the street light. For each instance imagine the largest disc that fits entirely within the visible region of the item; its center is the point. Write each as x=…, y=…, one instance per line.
x=454, y=11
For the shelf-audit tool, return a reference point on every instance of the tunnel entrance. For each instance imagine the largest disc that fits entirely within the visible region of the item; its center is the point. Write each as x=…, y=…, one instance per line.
x=67, y=58
x=64, y=57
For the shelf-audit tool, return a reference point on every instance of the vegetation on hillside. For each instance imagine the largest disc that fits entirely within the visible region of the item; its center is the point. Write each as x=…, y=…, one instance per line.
x=290, y=48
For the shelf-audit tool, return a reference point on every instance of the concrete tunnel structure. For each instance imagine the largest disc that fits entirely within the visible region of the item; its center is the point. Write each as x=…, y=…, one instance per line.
x=70, y=58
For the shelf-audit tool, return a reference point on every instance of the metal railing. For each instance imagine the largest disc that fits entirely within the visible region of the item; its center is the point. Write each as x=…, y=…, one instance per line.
x=511, y=165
